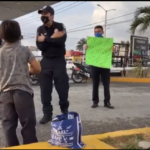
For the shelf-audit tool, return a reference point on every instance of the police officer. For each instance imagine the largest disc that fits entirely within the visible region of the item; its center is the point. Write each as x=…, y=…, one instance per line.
x=51, y=38
x=0, y=43
x=0, y=47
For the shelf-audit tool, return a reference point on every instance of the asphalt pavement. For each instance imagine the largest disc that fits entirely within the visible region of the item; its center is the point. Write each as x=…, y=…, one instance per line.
x=131, y=101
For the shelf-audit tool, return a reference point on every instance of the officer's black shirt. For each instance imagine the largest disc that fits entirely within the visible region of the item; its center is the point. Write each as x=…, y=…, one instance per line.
x=51, y=47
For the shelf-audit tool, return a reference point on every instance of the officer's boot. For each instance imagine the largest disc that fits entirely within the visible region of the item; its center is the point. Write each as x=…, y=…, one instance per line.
x=47, y=111
x=45, y=119
x=63, y=109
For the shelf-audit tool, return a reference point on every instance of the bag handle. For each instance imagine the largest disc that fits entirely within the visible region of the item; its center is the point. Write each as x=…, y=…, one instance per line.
x=60, y=117
x=76, y=115
x=65, y=116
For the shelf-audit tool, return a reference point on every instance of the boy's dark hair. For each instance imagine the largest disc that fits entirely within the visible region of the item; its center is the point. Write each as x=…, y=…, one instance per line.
x=10, y=31
x=99, y=27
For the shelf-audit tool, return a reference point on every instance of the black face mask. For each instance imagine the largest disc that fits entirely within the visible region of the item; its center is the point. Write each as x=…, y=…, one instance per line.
x=45, y=19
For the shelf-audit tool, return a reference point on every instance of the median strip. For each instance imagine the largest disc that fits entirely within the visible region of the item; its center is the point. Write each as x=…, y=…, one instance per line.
x=128, y=80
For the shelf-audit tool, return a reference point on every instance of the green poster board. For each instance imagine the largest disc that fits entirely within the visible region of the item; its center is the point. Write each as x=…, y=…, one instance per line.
x=99, y=52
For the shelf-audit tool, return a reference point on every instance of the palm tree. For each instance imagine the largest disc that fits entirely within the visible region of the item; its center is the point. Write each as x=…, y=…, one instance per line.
x=127, y=43
x=122, y=43
x=80, y=44
x=143, y=20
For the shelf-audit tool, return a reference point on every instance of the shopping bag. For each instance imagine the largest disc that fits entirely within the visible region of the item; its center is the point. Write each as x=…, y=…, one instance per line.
x=66, y=130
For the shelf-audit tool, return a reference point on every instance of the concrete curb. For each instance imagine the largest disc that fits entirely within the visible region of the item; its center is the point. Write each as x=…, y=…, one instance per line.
x=91, y=141
x=121, y=133
x=128, y=80
x=132, y=80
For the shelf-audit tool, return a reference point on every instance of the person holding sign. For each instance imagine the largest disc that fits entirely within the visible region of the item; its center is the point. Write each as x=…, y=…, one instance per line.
x=103, y=71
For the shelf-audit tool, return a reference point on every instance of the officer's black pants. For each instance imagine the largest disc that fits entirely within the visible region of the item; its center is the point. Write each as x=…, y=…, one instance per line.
x=54, y=69
x=105, y=76
x=14, y=105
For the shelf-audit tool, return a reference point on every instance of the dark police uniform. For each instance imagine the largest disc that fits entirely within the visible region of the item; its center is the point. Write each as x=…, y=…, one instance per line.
x=53, y=66
x=0, y=42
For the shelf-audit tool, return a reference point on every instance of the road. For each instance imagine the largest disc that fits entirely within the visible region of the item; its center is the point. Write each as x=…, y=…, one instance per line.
x=69, y=72
x=131, y=101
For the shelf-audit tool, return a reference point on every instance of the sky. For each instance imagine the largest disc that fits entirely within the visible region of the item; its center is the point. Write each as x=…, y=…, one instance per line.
x=80, y=18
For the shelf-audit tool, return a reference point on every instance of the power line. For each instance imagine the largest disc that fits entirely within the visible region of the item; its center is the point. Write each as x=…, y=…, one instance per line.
x=108, y=25
x=67, y=17
x=24, y=35
x=68, y=5
x=98, y=22
x=73, y=38
x=95, y=23
x=33, y=19
x=59, y=4
x=101, y=21
x=71, y=7
x=27, y=38
x=28, y=17
x=29, y=33
x=37, y=17
x=71, y=21
x=58, y=12
x=115, y=23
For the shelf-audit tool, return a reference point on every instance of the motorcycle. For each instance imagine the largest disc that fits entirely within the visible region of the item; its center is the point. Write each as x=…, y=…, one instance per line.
x=34, y=79
x=80, y=72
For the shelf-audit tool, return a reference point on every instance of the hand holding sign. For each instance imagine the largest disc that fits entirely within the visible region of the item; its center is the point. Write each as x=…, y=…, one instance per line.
x=99, y=52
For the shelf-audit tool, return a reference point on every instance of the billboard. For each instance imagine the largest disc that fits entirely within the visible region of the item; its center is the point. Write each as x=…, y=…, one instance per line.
x=139, y=47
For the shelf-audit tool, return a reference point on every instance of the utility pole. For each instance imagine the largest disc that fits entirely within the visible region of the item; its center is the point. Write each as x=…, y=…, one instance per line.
x=106, y=11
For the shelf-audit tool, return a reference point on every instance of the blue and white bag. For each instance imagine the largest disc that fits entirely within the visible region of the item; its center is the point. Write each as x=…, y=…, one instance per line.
x=66, y=131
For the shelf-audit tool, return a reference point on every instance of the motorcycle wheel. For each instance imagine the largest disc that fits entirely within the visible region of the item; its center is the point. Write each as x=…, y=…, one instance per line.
x=33, y=81
x=76, y=77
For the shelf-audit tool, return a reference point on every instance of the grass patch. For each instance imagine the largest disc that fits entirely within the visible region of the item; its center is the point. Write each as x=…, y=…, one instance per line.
x=127, y=142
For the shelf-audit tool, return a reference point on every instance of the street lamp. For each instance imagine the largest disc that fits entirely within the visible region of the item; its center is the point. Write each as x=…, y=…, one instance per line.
x=105, y=15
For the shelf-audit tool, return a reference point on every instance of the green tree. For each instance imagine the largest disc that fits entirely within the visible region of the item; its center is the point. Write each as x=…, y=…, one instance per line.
x=80, y=44
x=124, y=44
x=142, y=18
x=127, y=42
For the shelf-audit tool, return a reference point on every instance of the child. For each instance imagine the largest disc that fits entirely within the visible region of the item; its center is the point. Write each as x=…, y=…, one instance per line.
x=16, y=99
